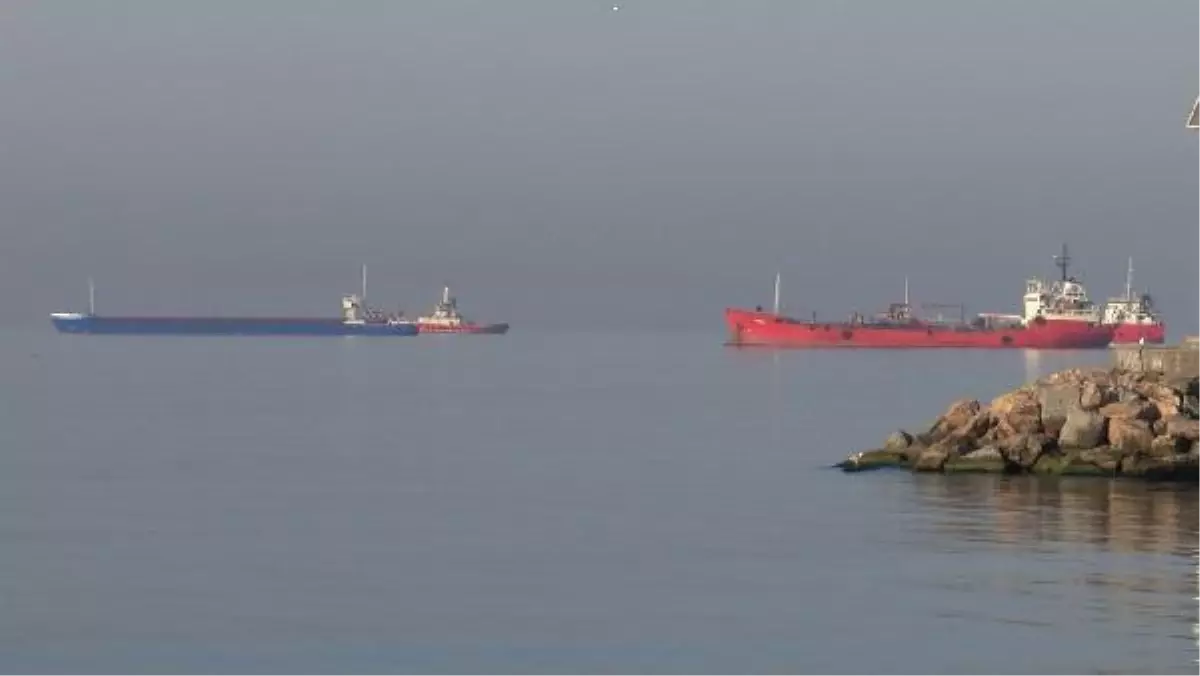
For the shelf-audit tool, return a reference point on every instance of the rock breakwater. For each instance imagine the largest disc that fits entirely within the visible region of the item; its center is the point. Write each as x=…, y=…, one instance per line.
x=1115, y=422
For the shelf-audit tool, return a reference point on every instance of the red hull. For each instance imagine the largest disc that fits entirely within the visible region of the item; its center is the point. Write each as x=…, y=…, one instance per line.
x=1132, y=333
x=488, y=329
x=749, y=327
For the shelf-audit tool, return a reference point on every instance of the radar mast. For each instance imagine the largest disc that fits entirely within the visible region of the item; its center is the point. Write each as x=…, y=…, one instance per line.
x=1062, y=260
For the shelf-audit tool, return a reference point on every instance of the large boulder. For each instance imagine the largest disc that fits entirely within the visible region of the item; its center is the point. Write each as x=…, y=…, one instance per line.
x=913, y=452
x=984, y=453
x=957, y=443
x=1131, y=409
x=978, y=426
x=1164, y=446
x=959, y=414
x=1163, y=397
x=1188, y=386
x=1022, y=451
x=898, y=441
x=1082, y=429
x=1130, y=435
x=1127, y=380
x=1017, y=412
x=1056, y=401
x=1125, y=385
x=1190, y=407
x=1093, y=395
x=1183, y=428
x=931, y=459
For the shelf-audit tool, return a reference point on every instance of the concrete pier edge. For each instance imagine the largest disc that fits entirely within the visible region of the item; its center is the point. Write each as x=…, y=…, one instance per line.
x=1173, y=361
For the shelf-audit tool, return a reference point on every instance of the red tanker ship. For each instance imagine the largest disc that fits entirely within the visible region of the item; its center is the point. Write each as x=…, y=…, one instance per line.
x=1133, y=317
x=1057, y=315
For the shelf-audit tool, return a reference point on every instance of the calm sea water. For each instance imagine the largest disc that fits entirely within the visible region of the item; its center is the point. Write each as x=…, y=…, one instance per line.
x=550, y=502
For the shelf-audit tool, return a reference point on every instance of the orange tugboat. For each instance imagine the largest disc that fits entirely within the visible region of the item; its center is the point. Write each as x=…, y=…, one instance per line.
x=446, y=319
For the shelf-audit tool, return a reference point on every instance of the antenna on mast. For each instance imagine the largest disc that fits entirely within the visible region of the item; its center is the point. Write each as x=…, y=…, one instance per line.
x=1129, y=280
x=363, y=298
x=1062, y=261
x=91, y=296
x=776, y=293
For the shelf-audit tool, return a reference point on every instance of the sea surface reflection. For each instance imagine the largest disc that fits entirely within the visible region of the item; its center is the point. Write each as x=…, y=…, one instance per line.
x=551, y=503
x=1074, y=559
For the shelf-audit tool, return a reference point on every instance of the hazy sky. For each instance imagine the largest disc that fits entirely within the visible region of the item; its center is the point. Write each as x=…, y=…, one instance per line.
x=560, y=162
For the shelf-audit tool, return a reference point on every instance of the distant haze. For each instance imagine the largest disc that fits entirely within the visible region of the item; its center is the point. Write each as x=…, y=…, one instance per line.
x=564, y=164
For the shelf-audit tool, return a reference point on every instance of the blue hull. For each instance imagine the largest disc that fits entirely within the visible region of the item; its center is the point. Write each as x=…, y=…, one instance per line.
x=224, y=326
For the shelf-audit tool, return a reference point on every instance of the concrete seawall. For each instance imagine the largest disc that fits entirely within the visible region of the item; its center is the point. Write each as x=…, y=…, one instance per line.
x=1173, y=361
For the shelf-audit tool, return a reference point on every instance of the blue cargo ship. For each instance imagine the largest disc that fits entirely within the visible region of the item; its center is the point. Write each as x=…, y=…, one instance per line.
x=357, y=320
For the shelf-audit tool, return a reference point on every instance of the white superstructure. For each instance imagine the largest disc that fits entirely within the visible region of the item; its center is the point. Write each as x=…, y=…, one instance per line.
x=1065, y=299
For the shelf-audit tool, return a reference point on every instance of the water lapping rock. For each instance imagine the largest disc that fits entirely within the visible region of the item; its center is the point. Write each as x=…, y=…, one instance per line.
x=1073, y=422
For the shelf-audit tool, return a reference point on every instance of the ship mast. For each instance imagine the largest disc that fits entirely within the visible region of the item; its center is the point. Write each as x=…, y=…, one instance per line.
x=363, y=299
x=1062, y=261
x=91, y=296
x=776, y=293
x=1129, y=281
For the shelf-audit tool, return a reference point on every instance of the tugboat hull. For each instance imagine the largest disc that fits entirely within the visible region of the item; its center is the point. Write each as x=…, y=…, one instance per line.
x=482, y=329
